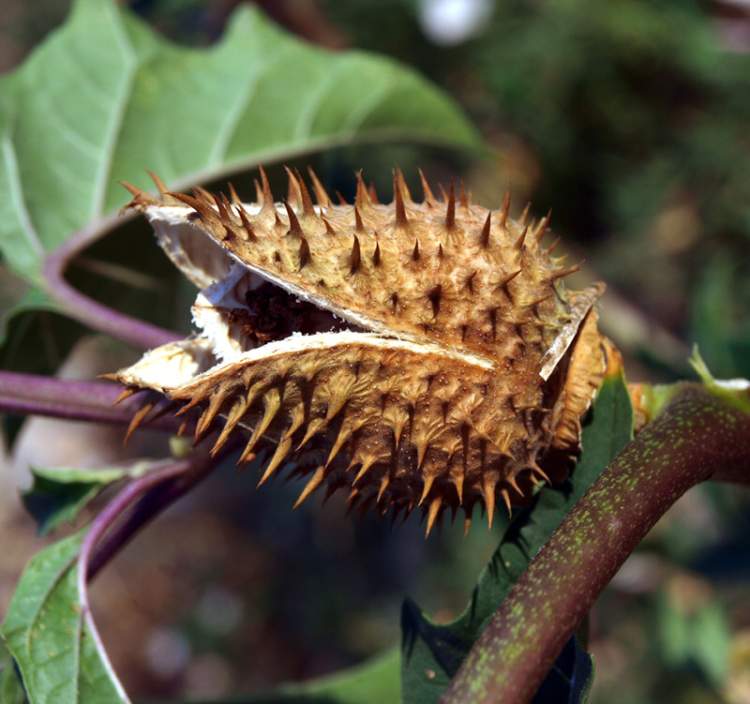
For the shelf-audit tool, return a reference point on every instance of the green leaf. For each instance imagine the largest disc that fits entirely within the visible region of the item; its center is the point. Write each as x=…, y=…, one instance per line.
x=711, y=642
x=689, y=638
x=53, y=641
x=104, y=98
x=58, y=494
x=11, y=689
x=432, y=653
x=724, y=339
x=373, y=682
x=673, y=632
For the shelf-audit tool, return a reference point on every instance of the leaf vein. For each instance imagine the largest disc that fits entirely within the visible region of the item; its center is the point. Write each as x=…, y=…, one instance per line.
x=303, y=128
x=102, y=180
x=357, y=117
x=226, y=133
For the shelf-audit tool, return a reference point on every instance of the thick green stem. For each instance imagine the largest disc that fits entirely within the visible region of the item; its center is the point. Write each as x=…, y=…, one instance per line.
x=698, y=436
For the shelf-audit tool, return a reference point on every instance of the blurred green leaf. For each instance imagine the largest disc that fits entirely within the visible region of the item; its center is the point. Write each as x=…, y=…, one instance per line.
x=11, y=689
x=374, y=682
x=711, y=638
x=672, y=631
x=58, y=494
x=104, y=98
x=718, y=323
x=432, y=653
x=51, y=639
x=697, y=638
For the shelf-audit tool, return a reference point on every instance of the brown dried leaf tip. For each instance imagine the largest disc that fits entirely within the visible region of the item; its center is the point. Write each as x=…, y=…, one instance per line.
x=416, y=354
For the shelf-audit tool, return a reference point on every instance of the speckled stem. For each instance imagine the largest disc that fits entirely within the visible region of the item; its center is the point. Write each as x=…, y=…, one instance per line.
x=698, y=436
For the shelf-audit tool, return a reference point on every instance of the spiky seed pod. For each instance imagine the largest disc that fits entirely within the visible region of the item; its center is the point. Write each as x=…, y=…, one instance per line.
x=417, y=354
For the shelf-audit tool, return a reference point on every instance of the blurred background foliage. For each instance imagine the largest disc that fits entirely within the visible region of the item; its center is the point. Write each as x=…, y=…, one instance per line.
x=630, y=119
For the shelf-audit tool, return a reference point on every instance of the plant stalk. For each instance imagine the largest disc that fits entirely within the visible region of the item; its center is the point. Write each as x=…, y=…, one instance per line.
x=92, y=401
x=118, y=505
x=697, y=437
x=149, y=506
x=198, y=465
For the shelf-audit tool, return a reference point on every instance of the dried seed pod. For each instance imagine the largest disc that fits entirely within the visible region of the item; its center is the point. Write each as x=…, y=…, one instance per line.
x=449, y=368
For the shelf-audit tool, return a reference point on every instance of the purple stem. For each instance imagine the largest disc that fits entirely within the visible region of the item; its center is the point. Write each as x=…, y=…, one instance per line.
x=197, y=465
x=51, y=389
x=88, y=311
x=115, y=508
x=148, y=507
x=72, y=400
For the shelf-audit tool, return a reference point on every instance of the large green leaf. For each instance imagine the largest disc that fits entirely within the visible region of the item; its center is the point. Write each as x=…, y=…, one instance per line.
x=104, y=98
x=432, y=653
x=52, y=640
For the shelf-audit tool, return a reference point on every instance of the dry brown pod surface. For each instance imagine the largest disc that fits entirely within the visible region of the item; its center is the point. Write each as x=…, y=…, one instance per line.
x=418, y=355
